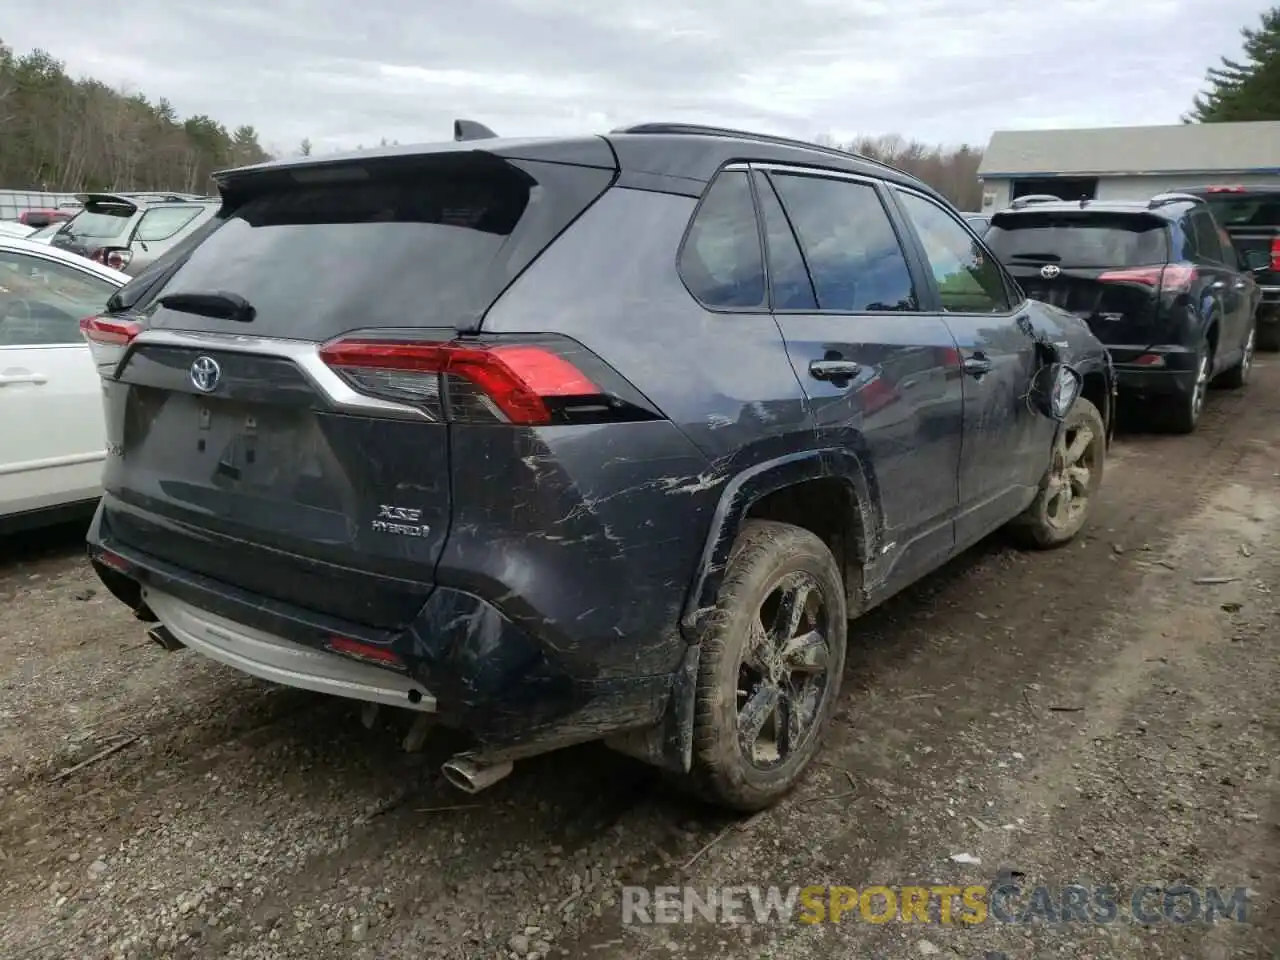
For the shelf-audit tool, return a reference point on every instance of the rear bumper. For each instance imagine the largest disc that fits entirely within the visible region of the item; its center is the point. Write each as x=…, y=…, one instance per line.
x=461, y=658
x=1176, y=375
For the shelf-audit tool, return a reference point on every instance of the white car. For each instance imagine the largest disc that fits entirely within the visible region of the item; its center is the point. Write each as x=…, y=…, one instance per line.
x=12, y=228
x=45, y=234
x=52, y=427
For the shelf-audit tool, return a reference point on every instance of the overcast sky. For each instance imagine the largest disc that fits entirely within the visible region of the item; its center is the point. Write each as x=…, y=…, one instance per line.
x=344, y=73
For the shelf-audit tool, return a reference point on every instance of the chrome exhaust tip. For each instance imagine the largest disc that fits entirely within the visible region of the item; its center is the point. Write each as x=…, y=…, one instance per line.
x=472, y=777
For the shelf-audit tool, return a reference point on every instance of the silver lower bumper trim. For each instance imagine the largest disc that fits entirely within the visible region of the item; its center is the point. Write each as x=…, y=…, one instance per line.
x=273, y=658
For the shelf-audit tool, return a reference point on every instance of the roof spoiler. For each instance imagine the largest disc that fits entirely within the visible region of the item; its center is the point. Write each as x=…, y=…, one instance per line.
x=470, y=130
x=1033, y=198
x=1160, y=199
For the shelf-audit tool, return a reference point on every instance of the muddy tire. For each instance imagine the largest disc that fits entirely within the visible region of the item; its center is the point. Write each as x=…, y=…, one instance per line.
x=770, y=667
x=1238, y=376
x=1184, y=415
x=1062, y=506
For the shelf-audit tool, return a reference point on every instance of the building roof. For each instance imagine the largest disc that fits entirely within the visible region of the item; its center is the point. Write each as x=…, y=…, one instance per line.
x=1184, y=148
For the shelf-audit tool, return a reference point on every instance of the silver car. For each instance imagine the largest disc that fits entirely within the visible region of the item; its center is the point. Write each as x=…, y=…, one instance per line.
x=129, y=231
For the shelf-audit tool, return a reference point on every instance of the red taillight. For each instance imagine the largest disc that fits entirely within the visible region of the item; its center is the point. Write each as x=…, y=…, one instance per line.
x=1232, y=189
x=1275, y=254
x=118, y=259
x=1170, y=278
x=109, y=331
x=364, y=651
x=109, y=338
x=1150, y=360
x=508, y=383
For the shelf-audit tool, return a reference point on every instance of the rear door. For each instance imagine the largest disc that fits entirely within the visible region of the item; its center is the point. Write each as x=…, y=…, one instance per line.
x=52, y=436
x=243, y=456
x=1006, y=444
x=1228, y=290
x=882, y=373
x=1102, y=266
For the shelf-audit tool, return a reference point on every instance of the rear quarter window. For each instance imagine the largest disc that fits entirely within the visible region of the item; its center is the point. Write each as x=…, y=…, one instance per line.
x=1079, y=240
x=721, y=262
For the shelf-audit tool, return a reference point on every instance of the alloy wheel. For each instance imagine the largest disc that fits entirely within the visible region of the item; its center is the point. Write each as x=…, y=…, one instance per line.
x=1074, y=460
x=785, y=672
x=1201, y=387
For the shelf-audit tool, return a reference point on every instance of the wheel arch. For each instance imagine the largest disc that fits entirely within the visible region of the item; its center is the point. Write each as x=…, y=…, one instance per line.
x=829, y=491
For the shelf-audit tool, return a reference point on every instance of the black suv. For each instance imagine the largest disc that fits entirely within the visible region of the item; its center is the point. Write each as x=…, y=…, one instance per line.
x=573, y=439
x=1251, y=217
x=1158, y=281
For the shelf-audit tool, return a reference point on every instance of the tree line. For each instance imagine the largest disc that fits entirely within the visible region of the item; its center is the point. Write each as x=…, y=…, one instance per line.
x=61, y=134
x=1248, y=89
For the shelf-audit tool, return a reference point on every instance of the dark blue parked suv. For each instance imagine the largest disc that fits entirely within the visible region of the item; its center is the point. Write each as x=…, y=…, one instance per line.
x=577, y=439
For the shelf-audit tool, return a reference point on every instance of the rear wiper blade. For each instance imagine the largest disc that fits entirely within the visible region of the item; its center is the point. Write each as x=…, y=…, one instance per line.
x=1038, y=257
x=217, y=304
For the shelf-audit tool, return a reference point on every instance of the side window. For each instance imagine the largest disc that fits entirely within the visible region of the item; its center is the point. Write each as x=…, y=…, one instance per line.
x=161, y=223
x=849, y=243
x=42, y=302
x=720, y=261
x=1208, y=245
x=968, y=279
x=788, y=276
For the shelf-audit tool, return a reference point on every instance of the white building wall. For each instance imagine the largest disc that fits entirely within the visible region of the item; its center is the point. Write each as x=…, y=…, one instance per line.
x=996, y=193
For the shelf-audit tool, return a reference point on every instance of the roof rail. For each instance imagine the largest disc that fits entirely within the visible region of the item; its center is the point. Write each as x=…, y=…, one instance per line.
x=1033, y=198
x=697, y=129
x=1160, y=199
x=470, y=130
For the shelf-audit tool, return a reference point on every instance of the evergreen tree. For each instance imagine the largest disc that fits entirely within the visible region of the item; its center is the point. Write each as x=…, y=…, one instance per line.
x=1249, y=90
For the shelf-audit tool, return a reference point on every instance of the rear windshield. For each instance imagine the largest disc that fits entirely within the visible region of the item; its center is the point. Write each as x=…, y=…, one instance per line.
x=100, y=223
x=1245, y=210
x=427, y=247
x=1079, y=240
x=161, y=223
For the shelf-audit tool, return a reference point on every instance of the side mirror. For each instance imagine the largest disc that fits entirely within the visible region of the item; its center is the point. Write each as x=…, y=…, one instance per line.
x=1055, y=389
x=1256, y=261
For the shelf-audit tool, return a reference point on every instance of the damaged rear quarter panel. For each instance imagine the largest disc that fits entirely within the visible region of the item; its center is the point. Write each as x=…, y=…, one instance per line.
x=585, y=536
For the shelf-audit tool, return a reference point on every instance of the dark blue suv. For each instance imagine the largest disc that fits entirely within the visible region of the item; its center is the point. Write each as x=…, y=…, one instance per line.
x=575, y=439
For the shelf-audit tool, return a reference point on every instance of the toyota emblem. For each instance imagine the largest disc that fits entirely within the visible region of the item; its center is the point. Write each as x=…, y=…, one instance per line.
x=205, y=374
x=1050, y=270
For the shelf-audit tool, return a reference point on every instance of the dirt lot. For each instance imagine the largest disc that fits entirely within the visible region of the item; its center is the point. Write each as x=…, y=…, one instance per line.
x=1093, y=715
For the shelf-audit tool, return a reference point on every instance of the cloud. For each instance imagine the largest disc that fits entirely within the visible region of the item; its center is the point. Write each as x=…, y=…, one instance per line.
x=343, y=74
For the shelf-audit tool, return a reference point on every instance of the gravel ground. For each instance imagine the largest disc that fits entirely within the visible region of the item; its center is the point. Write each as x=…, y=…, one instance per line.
x=1091, y=715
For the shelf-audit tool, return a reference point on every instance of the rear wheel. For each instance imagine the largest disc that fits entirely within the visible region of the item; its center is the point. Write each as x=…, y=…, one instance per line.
x=1062, y=506
x=1238, y=376
x=1185, y=414
x=770, y=667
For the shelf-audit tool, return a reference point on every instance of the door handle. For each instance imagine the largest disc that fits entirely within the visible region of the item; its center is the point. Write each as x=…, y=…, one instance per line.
x=976, y=365
x=36, y=378
x=834, y=369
